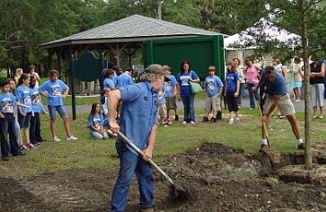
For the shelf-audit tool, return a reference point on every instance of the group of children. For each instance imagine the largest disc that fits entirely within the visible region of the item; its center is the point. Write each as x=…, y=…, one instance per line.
x=21, y=107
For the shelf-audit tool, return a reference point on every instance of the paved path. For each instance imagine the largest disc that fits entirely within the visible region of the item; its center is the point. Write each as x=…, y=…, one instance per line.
x=299, y=106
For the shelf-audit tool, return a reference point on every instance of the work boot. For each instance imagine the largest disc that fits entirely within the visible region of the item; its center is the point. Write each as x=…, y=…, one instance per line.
x=301, y=146
x=176, y=118
x=219, y=115
x=205, y=119
x=213, y=120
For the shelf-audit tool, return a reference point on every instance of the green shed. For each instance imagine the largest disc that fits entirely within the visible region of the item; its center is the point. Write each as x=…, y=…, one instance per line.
x=201, y=52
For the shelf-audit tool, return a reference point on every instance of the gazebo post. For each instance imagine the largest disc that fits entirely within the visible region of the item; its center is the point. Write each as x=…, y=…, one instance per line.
x=72, y=73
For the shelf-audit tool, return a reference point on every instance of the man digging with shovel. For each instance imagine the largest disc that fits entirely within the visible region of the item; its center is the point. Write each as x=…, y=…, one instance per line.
x=137, y=122
x=276, y=95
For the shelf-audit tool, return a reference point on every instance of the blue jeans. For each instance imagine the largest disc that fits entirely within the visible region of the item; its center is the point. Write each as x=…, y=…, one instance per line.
x=35, y=129
x=188, y=107
x=8, y=126
x=251, y=95
x=130, y=164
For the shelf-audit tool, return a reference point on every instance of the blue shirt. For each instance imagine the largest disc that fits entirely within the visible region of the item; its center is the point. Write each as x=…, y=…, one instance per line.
x=96, y=121
x=231, y=81
x=124, y=80
x=138, y=113
x=108, y=83
x=276, y=87
x=7, y=103
x=54, y=90
x=37, y=106
x=183, y=79
x=23, y=94
x=161, y=93
x=212, y=85
x=169, y=85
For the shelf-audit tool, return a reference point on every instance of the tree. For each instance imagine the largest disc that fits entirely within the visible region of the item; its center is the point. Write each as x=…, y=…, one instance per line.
x=306, y=17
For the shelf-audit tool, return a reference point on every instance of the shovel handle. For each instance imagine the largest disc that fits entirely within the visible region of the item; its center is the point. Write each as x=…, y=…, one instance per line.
x=261, y=114
x=142, y=154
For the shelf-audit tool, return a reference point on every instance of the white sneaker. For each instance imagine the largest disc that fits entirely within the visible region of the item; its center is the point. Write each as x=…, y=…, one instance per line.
x=192, y=122
x=56, y=139
x=237, y=119
x=72, y=138
x=231, y=121
x=184, y=122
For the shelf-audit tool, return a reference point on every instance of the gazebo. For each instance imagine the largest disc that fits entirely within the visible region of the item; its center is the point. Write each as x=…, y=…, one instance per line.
x=125, y=35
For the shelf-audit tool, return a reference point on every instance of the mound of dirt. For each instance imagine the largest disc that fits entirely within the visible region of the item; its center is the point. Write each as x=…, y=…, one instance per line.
x=219, y=178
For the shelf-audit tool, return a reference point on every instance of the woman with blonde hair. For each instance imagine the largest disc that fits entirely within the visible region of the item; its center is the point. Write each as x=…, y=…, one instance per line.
x=296, y=78
x=18, y=73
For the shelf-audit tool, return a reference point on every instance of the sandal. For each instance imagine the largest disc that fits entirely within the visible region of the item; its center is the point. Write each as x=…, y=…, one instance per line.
x=30, y=145
x=22, y=147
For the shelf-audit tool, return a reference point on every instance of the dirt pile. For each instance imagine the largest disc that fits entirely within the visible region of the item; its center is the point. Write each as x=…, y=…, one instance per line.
x=220, y=178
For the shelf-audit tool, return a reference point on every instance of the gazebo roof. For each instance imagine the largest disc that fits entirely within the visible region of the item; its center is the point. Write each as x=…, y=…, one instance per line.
x=135, y=28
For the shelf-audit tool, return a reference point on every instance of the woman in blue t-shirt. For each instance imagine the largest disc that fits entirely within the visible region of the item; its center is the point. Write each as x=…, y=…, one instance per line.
x=232, y=91
x=95, y=123
x=185, y=75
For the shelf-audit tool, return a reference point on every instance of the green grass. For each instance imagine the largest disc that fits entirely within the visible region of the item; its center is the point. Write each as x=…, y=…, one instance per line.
x=85, y=153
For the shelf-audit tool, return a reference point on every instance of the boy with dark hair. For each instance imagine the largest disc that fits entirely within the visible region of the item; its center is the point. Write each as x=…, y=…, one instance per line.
x=8, y=121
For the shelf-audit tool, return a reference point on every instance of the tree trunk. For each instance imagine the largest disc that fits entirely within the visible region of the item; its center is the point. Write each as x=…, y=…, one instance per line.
x=304, y=37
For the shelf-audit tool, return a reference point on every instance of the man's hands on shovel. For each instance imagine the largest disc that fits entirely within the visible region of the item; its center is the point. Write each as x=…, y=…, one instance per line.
x=147, y=153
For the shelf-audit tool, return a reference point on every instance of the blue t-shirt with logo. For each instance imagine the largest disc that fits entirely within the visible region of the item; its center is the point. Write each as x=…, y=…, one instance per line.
x=7, y=103
x=124, y=80
x=23, y=94
x=183, y=79
x=36, y=100
x=169, y=85
x=96, y=121
x=212, y=85
x=138, y=113
x=231, y=81
x=54, y=90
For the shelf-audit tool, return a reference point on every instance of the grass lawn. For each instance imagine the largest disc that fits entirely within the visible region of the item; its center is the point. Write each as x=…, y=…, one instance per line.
x=84, y=153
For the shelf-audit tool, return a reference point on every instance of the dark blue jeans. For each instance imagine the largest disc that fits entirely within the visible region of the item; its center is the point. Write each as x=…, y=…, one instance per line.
x=35, y=128
x=130, y=164
x=251, y=95
x=188, y=107
x=8, y=127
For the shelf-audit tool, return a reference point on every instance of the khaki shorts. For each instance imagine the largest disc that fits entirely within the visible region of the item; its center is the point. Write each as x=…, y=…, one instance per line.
x=162, y=110
x=212, y=103
x=170, y=103
x=285, y=105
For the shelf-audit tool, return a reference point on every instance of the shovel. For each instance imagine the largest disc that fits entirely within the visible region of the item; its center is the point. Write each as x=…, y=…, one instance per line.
x=177, y=192
x=261, y=115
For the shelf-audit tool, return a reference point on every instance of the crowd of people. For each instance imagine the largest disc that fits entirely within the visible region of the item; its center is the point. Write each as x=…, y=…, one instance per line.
x=21, y=107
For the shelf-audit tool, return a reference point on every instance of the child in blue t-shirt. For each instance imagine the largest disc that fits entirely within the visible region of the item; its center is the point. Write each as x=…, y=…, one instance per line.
x=8, y=122
x=37, y=106
x=161, y=106
x=95, y=123
x=232, y=91
x=56, y=90
x=23, y=96
x=170, y=96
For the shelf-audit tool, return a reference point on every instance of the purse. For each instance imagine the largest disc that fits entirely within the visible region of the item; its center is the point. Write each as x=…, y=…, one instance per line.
x=195, y=87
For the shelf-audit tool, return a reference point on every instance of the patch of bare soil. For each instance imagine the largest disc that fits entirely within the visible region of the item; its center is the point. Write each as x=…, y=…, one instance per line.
x=219, y=178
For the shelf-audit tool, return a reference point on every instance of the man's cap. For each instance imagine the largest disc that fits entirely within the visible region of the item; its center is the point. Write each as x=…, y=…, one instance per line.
x=156, y=69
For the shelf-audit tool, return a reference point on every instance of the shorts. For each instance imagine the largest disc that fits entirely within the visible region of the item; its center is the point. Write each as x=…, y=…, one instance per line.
x=24, y=120
x=285, y=105
x=171, y=103
x=212, y=103
x=61, y=110
x=162, y=110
